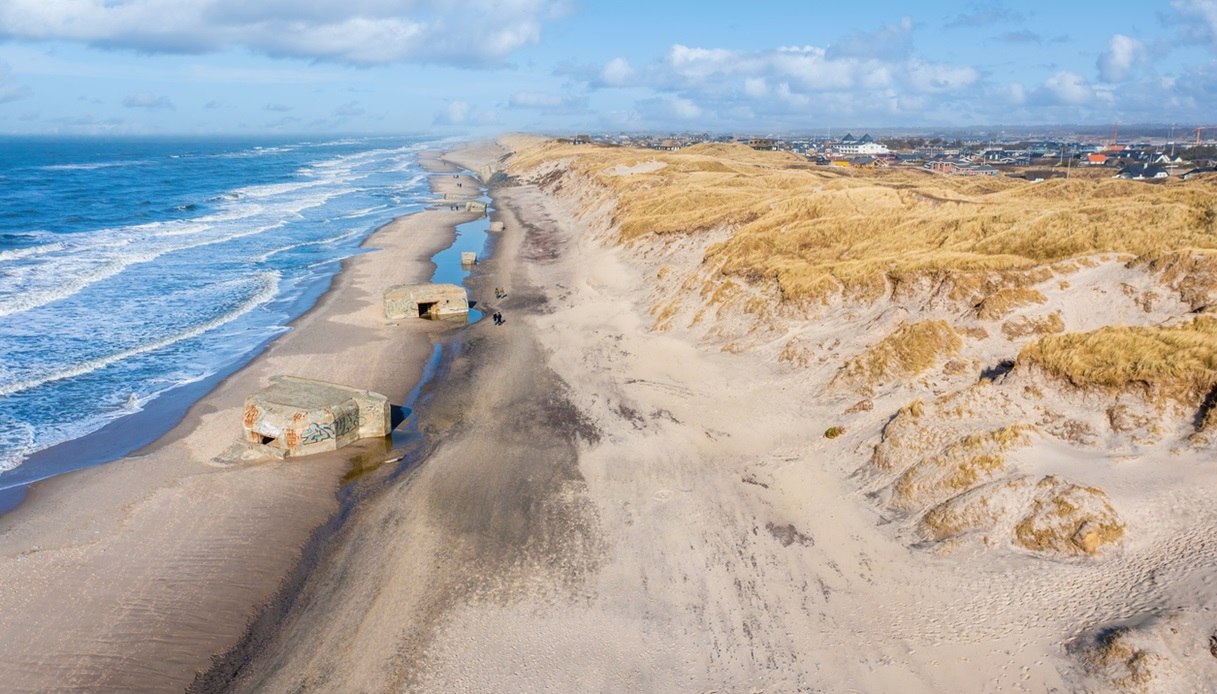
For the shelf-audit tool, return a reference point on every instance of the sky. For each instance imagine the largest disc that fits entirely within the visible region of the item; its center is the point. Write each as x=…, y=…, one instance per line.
x=460, y=67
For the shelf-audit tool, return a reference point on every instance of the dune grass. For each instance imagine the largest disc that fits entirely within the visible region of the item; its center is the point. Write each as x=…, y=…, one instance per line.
x=911, y=350
x=1003, y=301
x=1177, y=362
x=816, y=231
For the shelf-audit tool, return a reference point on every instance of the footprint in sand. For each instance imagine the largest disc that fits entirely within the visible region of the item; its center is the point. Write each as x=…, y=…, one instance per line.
x=663, y=495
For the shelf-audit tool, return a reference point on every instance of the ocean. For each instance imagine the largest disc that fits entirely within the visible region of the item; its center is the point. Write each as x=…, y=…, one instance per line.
x=130, y=268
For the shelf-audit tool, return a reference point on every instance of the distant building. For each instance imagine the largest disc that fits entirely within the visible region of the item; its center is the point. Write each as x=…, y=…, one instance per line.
x=1143, y=172
x=974, y=171
x=1199, y=171
x=868, y=163
x=1042, y=174
x=864, y=145
x=940, y=166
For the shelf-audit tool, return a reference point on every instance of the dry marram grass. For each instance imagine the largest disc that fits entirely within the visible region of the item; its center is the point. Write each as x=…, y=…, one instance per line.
x=911, y=350
x=815, y=232
x=997, y=305
x=1178, y=362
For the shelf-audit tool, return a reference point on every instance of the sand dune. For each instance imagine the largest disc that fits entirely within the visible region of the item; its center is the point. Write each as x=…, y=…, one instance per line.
x=1010, y=375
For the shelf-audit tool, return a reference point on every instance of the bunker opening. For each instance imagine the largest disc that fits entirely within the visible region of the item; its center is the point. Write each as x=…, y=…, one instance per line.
x=425, y=301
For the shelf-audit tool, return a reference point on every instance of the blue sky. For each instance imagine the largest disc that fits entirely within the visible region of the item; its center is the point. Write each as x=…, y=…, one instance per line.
x=476, y=66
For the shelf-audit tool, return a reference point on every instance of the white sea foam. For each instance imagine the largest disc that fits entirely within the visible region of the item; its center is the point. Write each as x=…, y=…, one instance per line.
x=363, y=212
x=31, y=298
x=66, y=271
x=90, y=166
x=267, y=286
x=334, y=240
x=16, y=442
x=18, y=253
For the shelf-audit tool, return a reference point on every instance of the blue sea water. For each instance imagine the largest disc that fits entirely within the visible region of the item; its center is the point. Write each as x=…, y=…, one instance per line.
x=130, y=267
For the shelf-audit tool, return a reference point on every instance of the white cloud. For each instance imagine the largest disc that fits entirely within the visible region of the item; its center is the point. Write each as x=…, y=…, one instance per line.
x=683, y=108
x=362, y=32
x=147, y=100
x=455, y=113
x=811, y=67
x=1069, y=88
x=668, y=108
x=756, y=87
x=931, y=78
x=617, y=72
x=1199, y=19
x=1123, y=54
x=793, y=82
x=702, y=63
x=791, y=98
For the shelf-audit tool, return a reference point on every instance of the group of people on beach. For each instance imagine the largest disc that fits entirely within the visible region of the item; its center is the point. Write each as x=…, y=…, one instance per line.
x=498, y=318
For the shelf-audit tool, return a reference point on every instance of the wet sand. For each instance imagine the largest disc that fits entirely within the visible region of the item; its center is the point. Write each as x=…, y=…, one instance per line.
x=131, y=575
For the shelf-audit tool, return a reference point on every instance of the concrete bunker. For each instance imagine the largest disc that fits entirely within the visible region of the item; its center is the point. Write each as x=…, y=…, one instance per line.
x=425, y=301
x=299, y=416
x=469, y=258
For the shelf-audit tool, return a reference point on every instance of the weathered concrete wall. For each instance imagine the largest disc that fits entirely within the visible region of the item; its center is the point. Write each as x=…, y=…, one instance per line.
x=299, y=416
x=468, y=257
x=425, y=301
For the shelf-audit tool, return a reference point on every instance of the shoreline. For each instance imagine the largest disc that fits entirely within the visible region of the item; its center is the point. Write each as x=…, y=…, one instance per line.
x=131, y=574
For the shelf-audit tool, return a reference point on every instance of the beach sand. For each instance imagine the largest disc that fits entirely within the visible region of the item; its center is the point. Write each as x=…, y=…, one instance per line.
x=131, y=575
x=613, y=508
x=600, y=514
x=599, y=506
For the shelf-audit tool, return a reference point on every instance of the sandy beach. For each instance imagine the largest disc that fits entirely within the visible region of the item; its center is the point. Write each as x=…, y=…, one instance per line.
x=129, y=576
x=611, y=507
x=599, y=517
x=612, y=499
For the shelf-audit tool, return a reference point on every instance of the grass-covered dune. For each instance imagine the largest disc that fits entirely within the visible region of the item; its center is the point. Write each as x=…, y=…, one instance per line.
x=817, y=231
x=1177, y=362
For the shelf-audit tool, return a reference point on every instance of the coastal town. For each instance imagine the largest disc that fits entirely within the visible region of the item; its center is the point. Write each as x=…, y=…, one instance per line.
x=1152, y=154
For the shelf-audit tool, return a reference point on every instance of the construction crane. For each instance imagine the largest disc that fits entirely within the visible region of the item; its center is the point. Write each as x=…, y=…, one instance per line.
x=1202, y=128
